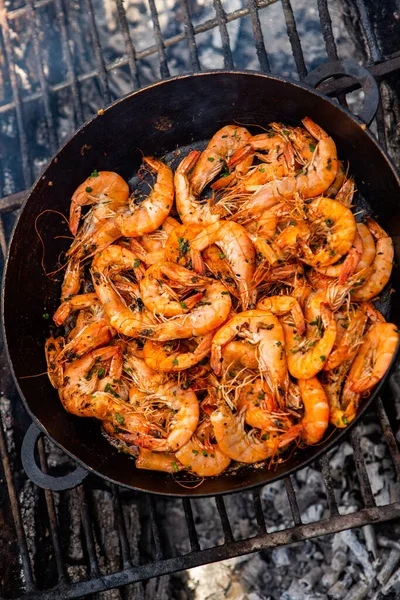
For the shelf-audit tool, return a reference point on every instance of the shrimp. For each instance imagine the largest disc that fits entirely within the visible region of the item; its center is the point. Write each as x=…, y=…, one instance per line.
x=346, y=193
x=281, y=305
x=116, y=259
x=76, y=303
x=236, y=246
x=368, y=254
x=373, y=358
x=156, y=241
x=344, y=270
x=316, y=410
x=95, y=334
x=219, y=150
x=216, y=262
x=343, y=408
x=185, y=417
x=151, y=213
x=382, y=264
x=263, y=329
x=158, y=461
x=336, y=187
x=303, y=142
x=189, y=208
x=306, y=358
x=178, y=244
x=350, y=330
x=55, y=371
x=209, y=314
x=241, y=446
x=106, y=189
x=72, y=278
x=126, y=320
x=202, y=457
x=239, y=355
x=311, y=182
x=158, y=295
x=167, y=358
x=261, y=408
x=336, y=223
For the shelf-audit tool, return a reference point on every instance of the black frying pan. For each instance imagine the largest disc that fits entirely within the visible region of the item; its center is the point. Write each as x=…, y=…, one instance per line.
x=179, y=112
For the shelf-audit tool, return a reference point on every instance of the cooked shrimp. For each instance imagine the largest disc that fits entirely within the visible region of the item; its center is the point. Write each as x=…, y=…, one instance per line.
x=264, y=331
x=72, y=278
x=155, y=241
x=316, y=410
x=306, y=358
x=237, y=248
x=303, y=142
x=345, y=269
x=95, y=334
x=346, y=193
x=382, y=264
x=239, y=355
x=158, y=461
x=210, y=313
x=201, y=456
x=312, y=181
x=219, y=150
x=350, y=331
x=343, y=409
x=151, y=213
x=178, y=244
x=55, y=371
x=166, y=357
x=188, y=206
x=261, y=408
x=282, y=305
x=241, y=446
x=337, y=186
x=127, y=320
x=368, y=254
x=157, y=292
x=373, y=358
x=106, y=189
x=216, y=262
x=76, y=303
x=336, y=224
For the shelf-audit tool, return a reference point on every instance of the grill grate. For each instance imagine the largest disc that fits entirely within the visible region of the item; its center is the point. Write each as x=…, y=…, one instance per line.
x=132, y=567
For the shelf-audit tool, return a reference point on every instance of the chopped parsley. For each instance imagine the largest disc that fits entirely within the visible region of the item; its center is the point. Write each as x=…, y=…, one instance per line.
x=95, y=173
x=120, y=419
x=211, y=159
x=136, y=263
x=195, y=452
x=175, y=361
x=46, y=316
x=88, y=189
x=312, y=147
x=175, y=467
x=265, y=437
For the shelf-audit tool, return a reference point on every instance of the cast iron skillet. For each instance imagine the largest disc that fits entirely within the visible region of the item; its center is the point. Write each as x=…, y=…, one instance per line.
x=158, y=119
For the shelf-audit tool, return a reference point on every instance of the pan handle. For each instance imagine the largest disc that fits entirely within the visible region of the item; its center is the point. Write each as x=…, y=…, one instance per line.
x=41, y=479
x=352, y=69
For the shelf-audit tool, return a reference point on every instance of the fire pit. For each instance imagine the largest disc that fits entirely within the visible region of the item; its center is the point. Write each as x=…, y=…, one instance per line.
x=59, y=64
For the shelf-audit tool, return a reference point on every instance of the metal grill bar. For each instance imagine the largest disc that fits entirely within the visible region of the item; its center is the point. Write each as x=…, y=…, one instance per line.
x=52, y=517
x=294, y=38
x=17, y=104
x=130, y=50
x=326, y=24
x=189, y=36
x=226, y=47
x=292, y=501
x=51, y=130
x=194, y=542
x=247, y=546
x=226, y=526
x=16, y=513
x=389, y=436
x=164, y=70
x=328, y=483
x=262, y=529
x=121, y=527
x=372, y=45
x=94, y=570
x=258, y=37
x=73, y=81
x=362, y=474
x=154, y=528
x=101, y=66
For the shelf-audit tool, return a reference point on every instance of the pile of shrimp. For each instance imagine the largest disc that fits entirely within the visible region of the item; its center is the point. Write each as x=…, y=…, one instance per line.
x=231, y=325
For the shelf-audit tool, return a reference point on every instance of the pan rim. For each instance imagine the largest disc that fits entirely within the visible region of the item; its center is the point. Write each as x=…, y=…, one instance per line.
x=191, y=493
